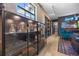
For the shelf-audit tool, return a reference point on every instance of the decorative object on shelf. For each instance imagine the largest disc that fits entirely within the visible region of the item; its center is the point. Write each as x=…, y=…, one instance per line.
x=11, y=25
x=22, y=27
x=25, y=37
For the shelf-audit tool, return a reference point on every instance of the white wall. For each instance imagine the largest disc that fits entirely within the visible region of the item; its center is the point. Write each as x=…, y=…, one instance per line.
x=60, y=9
x=10, y=7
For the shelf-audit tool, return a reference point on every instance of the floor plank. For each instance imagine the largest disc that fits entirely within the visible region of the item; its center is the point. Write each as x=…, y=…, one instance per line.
x=51, y=49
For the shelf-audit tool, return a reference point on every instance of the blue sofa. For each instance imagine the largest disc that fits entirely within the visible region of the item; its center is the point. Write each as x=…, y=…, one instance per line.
x=65, y=34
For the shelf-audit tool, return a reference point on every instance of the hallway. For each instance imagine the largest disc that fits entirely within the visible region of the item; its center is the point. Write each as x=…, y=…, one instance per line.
x=39, y=29
x=51, y=49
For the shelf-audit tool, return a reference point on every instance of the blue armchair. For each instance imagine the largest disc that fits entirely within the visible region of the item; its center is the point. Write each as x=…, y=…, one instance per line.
x=65, y=34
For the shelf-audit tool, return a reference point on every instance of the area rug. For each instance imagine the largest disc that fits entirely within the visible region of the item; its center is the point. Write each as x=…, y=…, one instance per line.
x=65, y=47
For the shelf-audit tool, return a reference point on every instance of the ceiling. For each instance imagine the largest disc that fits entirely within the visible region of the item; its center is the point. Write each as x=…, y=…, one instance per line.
x=55, y=10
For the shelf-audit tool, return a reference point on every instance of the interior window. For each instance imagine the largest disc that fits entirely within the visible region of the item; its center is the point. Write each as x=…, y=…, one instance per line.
x=26, y=10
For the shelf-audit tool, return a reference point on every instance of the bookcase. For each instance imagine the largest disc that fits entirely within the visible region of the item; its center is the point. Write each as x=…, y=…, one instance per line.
x=47, y=27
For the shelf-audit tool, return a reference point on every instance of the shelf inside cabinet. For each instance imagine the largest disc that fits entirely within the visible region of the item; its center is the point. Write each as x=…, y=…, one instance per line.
x=26, y=38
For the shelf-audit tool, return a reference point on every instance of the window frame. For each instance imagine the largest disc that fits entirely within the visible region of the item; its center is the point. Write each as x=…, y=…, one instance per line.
x=26, y=11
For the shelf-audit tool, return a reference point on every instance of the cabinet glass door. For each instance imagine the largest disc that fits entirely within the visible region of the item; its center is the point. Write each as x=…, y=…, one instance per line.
x=15, y=35
x=32, y=37
x=43, y=34
x=0, y=35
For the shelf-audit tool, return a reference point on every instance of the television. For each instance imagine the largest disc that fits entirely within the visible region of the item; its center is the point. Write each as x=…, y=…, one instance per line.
x=67, y=25
x=70, y=22
x=71, y=18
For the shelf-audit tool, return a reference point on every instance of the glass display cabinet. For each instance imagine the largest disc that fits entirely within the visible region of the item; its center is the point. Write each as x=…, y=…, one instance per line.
x=0, y=35
x=32, y=39
x=15, y=34
x=41, y=36
x=47, y=27
x=22, y=36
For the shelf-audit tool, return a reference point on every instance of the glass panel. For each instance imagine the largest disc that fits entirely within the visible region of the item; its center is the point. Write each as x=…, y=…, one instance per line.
x=43, y=31
x=0, y=35
x=32, y=37
x=20, y=11
x=41, y=36
x=27, y=15
x=31, y=9
x=21, y=5
x=32, y=17
x=27, y=6
x=15, y=35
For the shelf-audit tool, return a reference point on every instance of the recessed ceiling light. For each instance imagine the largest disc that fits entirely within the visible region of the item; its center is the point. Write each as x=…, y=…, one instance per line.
x=9, y=21
x=38, y=23
x=22, y=23
x=30, y=21
x=16, y=17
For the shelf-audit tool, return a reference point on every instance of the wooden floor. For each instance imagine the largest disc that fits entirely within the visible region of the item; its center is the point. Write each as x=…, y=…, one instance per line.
x=51, y=49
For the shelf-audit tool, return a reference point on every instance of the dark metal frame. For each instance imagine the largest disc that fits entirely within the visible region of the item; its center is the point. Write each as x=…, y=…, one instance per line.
x=29, y=11
x=3, y=32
